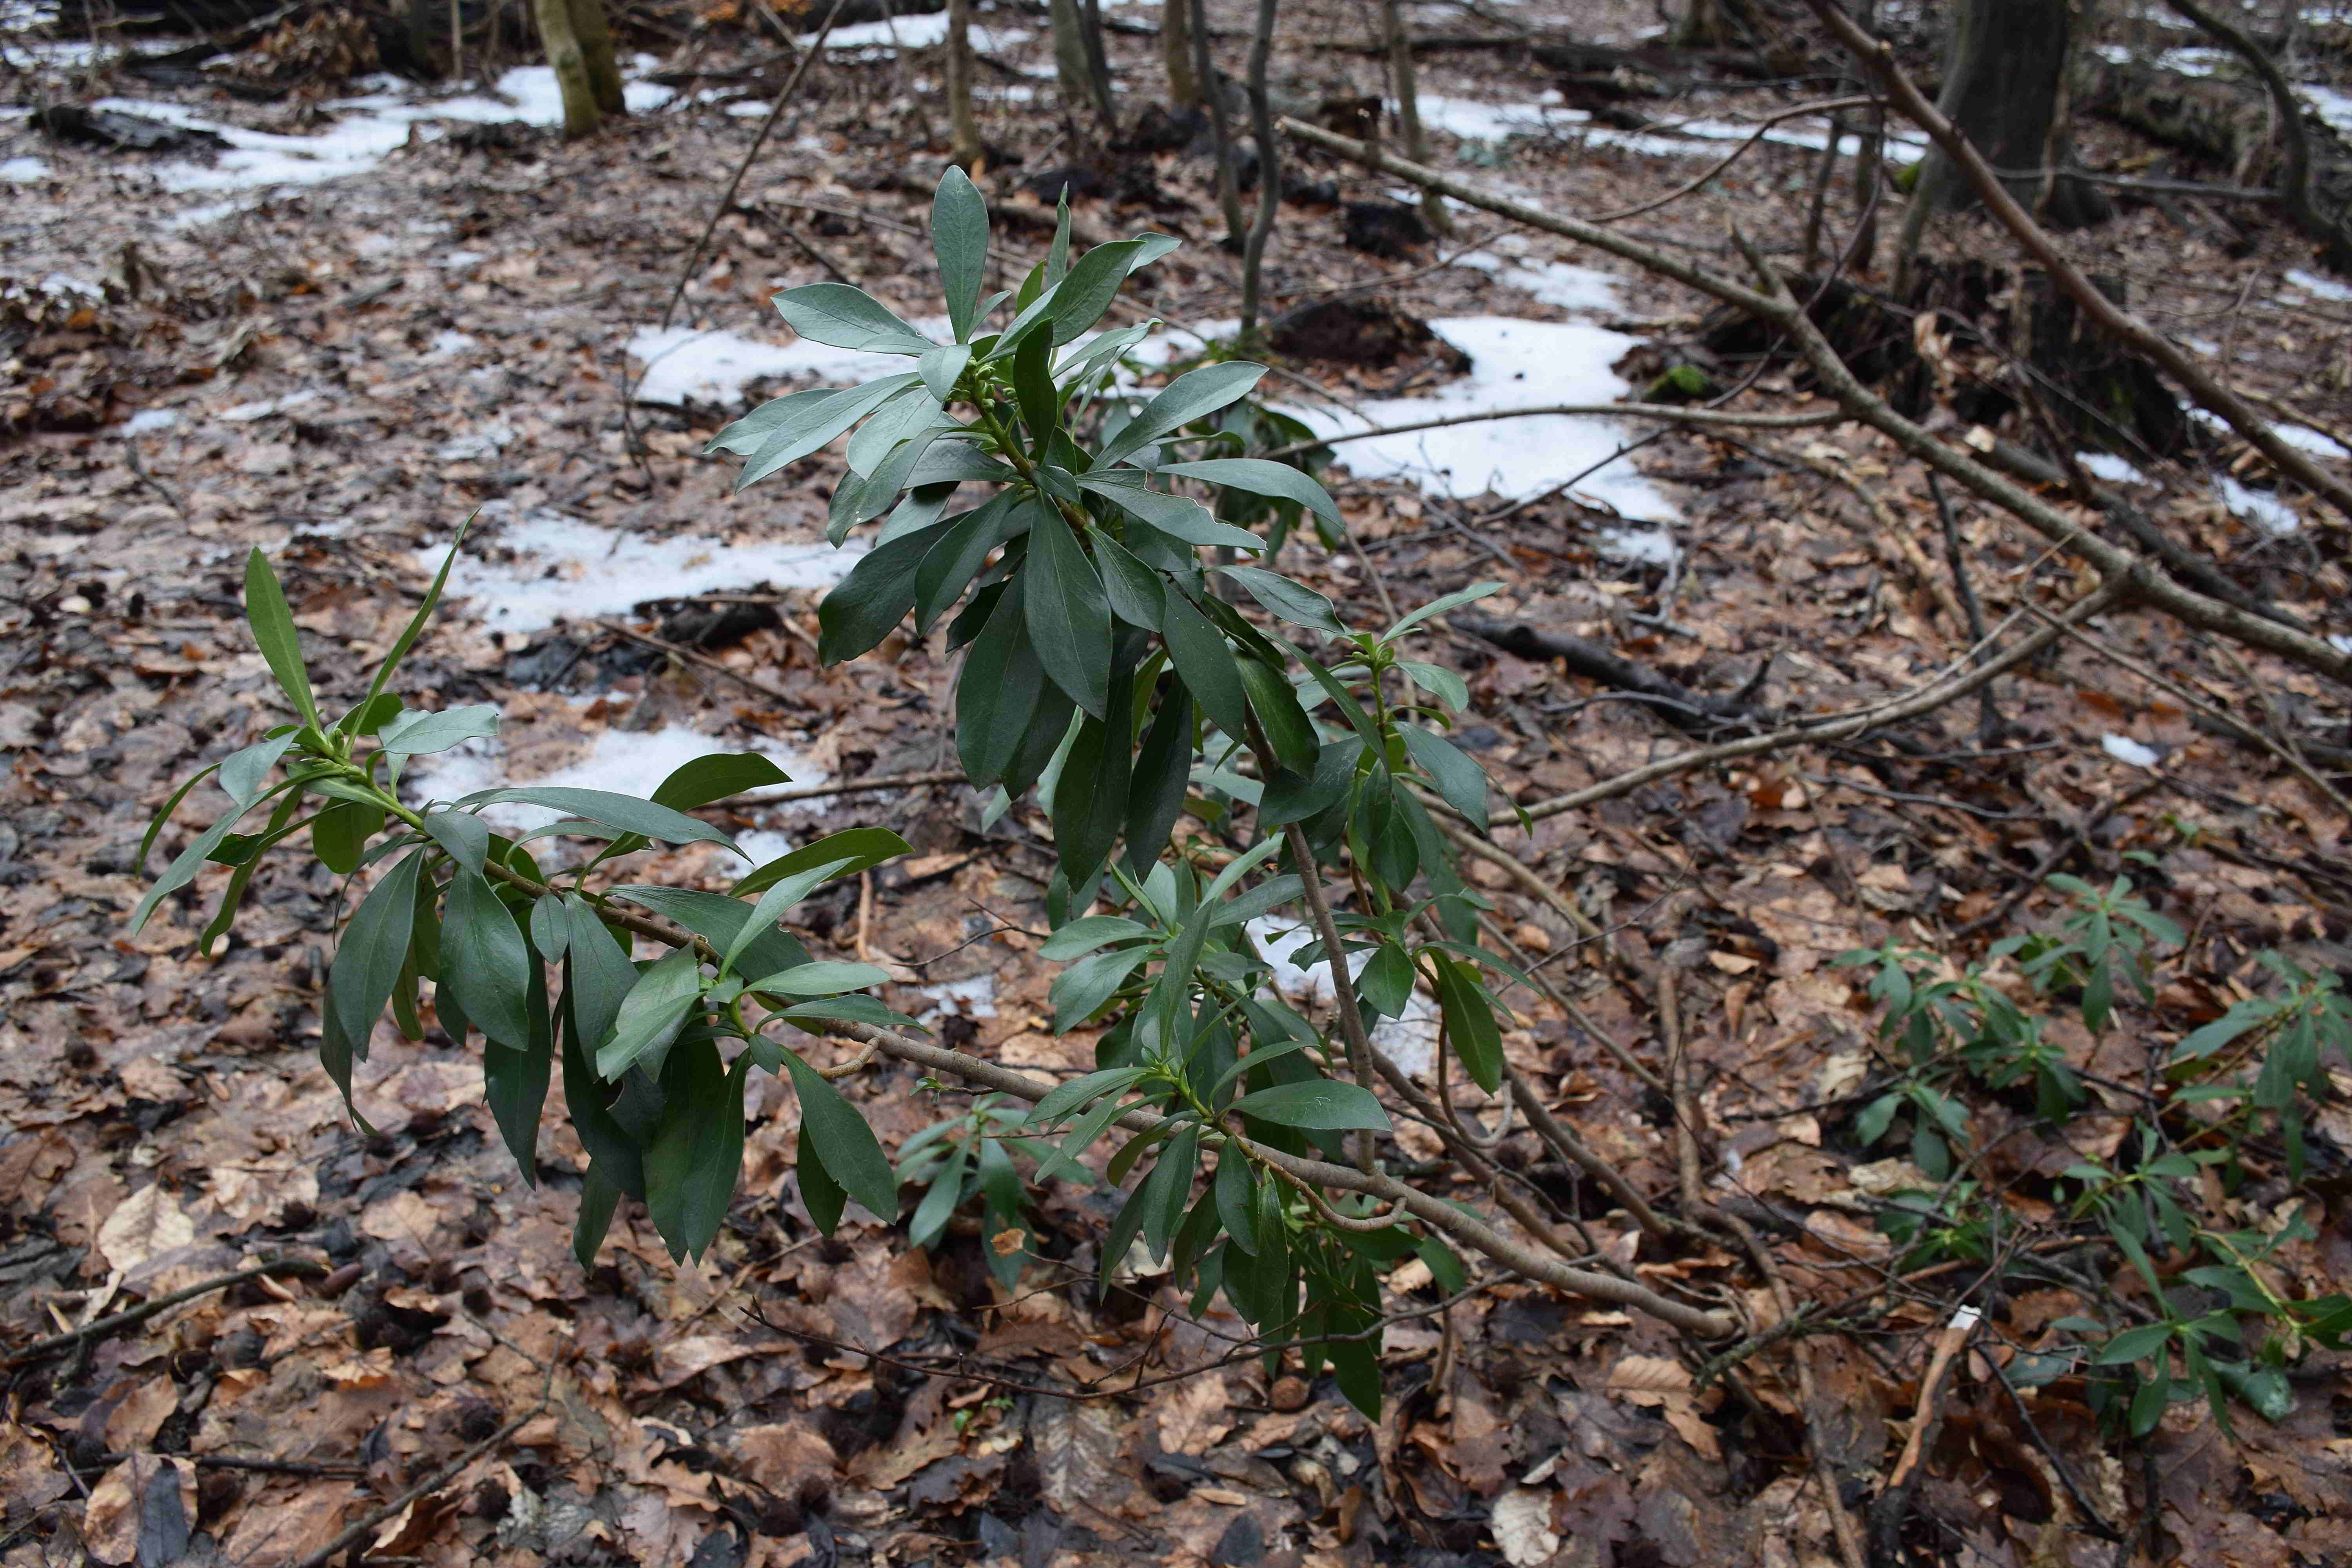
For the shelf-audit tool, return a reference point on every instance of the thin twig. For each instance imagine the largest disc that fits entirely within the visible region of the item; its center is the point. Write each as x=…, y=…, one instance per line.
x=1671, y=412
x=814, y=48
x=1945, y=688
x=116, y=1322
x=438, y=1479
x=2245, y=732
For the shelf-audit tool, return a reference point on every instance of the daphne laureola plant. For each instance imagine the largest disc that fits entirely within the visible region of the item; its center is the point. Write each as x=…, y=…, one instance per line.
x=1103, y=669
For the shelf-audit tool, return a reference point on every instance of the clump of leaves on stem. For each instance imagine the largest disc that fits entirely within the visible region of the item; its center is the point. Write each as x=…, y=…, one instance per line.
x=2229, y=1098
x=1103, y=674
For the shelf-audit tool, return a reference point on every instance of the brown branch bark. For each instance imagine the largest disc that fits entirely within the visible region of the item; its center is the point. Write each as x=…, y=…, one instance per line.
x=2210, y=392
x=1438, y=1214
x=2134, y=574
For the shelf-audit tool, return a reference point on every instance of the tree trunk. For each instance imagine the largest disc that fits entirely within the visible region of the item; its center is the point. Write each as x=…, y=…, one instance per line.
x=581, y=116
x=595, y=36
x=1405, y=84
x=1269, y=170
x=1228, y=196
x=963, y=130
x=2005, y=88
x=1077, y=57
x=1713, y=24
x=1176, y=54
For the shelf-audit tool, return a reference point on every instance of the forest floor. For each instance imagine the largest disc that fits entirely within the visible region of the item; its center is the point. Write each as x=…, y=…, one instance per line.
x=352, y=328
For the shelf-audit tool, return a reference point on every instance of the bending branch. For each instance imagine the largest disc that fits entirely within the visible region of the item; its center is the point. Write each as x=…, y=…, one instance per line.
x=1672, y=412
x=1436, y=1213
x=2139, y=576
x=2126, y=328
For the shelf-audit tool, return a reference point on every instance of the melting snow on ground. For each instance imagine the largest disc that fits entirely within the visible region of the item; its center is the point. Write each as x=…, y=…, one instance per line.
x=973, y=998
x=2108, y=466
x=368, y=128
x=2304, y=438
x=566, y=570
x=1561, y=284
x=2333, y=106
x=1513, y=364
x=148, y=420
x=628, y=761
x=2319, y=287
x=715, y=367
x=2261, y=508
x=16, y=171
x=1411, y=1041
x=1474, y=120
x=2124, y=749
x=878, y=39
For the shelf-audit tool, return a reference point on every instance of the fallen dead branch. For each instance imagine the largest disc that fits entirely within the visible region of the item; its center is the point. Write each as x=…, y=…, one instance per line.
x=1946, y=687
x=1676, y=703
x=2210, y=394
x=115, y=1323
x=1771, y=301
x=1671, y=413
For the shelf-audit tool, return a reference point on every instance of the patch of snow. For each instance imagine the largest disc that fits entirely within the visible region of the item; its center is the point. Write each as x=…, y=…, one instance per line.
x=1411, y=1041
x=245, y=413
x=18, y=171
x=2124, y=749
x=148, y=420
x=892, y=32
x=973, y=998
x=2195, y=61
x=2261, y=508
x=628, y=761
x=2108, y=466
x=2319, y=287
x=367, y=129
x=715, y=367
x=2202, y=345
x=2343, y=644
x=748, y=107
x=60, y=54
x=444, y=344
x=59, y=284
x=1684, y=139
x=1558, y=283
x=488, y=441
x=876, y=40
x=1513, y=362
x=1474, y=120
x=567, y=569
x=2305, y=439
x=463, y=258
x=2333, y=106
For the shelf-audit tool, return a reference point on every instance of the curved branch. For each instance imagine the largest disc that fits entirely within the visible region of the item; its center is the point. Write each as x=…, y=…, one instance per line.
x=2294, y=187
x=1672, y=412
x=2126, y=328
x=1435, y=1213
x=2138, y=576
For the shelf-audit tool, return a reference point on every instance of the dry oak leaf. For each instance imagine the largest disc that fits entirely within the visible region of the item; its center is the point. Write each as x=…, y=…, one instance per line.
x=148, y=1223
x=1196, y=1416
x=781, y=1456
x=1664, y=1384
x=1522, y=1526
x=143, y=1409
x=141, y=1510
